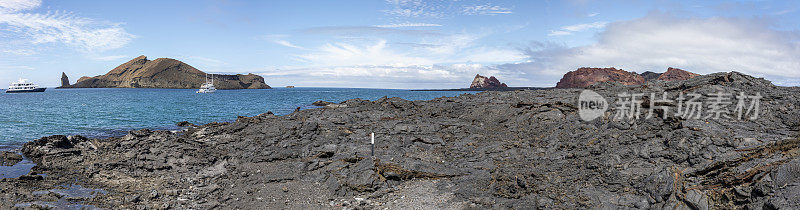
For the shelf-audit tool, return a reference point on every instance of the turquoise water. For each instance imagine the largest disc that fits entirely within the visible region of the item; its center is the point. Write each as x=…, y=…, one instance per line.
x=111, y=112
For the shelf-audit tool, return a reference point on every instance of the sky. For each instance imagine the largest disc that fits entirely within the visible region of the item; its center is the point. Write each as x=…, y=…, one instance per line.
x=400, y=44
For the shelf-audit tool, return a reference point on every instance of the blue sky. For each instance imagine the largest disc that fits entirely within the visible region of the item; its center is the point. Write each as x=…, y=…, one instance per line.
x=400, y=43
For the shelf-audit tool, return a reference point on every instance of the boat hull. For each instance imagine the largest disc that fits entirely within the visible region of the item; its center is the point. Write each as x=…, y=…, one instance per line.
x=26, y=91
x=206, y=91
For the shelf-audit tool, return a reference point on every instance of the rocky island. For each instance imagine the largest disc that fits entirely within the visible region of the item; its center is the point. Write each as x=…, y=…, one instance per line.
x=482, y=82
x=512, y=149
x=586, y=76
x=64, y=80
x=163, y=73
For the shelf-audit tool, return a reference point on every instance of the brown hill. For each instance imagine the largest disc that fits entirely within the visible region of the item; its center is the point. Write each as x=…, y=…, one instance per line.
x=674, y=74
x=165, y=73
x=585, y=76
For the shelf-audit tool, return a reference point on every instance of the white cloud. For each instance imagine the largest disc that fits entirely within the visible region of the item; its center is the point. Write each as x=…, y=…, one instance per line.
x=17, y=5
x=592, y=14
x=440, y=8
x=86, y=34
x=407, y=24
x=287, y=44
x=205, y=63
x=20, y=51
x=347, y=54
x=567, y=30
x=280, y=39
x=785, y=11
x=582, y=27
x=439, y=62
x=455, y=48
x=559, y=33
x=486, y=9
x=658, y=41
x=110, y=57
x=369, y=76
x=415, y=8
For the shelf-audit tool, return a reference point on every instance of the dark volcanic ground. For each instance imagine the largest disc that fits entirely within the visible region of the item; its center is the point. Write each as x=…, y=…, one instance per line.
x=517, y=149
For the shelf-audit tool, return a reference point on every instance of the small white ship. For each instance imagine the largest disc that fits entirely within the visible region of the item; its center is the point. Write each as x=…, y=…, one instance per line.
x=23, y=86
x=208, y=87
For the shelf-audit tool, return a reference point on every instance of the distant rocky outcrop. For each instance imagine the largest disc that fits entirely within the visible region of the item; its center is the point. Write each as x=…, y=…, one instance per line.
x=585, y=76
x=481, y=82
x=675, y=74
x=64, y=80
x=321, y=103
x=165, y=73
x=649, y=75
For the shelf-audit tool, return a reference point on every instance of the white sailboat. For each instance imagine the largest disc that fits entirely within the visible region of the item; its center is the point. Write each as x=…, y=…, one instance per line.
x=208, y=87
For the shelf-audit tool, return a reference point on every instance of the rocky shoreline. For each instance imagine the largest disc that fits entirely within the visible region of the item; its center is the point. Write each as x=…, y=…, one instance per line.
x=511, y=149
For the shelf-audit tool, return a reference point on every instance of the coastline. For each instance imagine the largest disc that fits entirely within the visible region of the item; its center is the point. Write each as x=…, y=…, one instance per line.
x=489, y=89
x=496, y=149
x=96, y=111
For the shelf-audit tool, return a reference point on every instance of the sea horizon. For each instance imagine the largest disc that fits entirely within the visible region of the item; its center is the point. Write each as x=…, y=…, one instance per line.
x=43, y=117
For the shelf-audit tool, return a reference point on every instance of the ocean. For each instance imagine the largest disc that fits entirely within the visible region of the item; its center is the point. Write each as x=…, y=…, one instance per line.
x=106, y=112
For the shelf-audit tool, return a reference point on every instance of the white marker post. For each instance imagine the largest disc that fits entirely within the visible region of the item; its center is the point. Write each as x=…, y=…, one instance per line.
x=372, y=146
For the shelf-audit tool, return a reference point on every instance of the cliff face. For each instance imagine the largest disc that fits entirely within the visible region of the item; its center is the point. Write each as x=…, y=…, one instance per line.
x=674, y=74
x=64, y=80
x=584, y=77
x=484, y=82
x=165, y=73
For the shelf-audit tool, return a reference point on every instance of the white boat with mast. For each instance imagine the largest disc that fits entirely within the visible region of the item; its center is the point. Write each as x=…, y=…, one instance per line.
x=208, y=87
x=23, y=86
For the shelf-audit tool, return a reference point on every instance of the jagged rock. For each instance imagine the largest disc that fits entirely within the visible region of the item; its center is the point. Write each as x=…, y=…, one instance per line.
x=9, y=158
x=674, y=74
x=185, y=124
x=166, y=73
x=321, y=103
x=697, y=200
x=486, y=83
x=649, y=75
x=787, y=174
x=30, y=177
x=584, y=77
x=56, y=144
x=64, y=80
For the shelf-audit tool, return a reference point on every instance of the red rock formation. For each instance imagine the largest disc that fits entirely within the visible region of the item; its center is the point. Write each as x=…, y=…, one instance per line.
x=585, y=76
x=483, y=82
x=675, y=74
